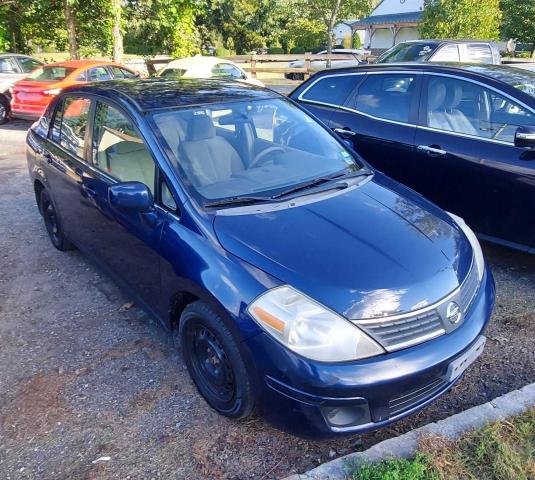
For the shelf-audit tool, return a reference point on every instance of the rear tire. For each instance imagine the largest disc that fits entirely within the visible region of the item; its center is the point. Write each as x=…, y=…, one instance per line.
x=215, y=362
x=4, y=110
x=53, y=224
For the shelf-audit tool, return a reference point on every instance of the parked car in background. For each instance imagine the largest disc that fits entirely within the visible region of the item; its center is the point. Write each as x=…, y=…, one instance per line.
x=462, y=136
x=357, y=54
x=31, y=95
x=207, y=67
x=13, y=67
x=299, y=282
x=472, y=51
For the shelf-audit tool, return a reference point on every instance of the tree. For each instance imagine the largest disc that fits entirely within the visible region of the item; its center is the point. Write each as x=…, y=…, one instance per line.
x=329, y=11
x=461, y=19
x=70, y=24
x=519, y=21
x=116, y=31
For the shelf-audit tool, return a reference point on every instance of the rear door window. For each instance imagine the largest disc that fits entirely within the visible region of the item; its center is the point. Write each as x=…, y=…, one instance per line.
x=70, y=124
x=331, y=90
x=7, y=65
x=387, y=96
x=98, y=74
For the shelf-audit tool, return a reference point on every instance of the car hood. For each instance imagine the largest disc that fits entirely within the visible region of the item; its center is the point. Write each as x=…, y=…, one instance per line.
x=364, y=252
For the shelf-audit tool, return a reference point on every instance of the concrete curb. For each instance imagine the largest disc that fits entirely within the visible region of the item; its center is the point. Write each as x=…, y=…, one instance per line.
x=508, y=405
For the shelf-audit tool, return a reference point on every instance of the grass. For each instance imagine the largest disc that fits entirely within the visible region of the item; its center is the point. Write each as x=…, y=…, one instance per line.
x=499, y=451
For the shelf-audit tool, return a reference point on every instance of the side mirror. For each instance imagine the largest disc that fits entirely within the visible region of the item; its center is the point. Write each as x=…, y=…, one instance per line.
x=131, y=196
x=525, y=137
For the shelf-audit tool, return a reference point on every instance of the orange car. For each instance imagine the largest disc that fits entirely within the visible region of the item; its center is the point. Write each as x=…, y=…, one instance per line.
x=30, y=96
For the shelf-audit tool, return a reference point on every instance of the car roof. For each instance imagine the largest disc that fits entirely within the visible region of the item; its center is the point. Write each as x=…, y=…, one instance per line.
x=436, y=41
x=79, y=63
x=164, y=93
x=7, y=54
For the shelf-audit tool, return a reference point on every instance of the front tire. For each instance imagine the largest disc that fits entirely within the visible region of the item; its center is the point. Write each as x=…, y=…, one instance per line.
x=215, y=362
x=53, y=224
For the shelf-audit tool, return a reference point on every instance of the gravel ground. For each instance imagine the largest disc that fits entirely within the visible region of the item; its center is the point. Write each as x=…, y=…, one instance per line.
x=91, y=388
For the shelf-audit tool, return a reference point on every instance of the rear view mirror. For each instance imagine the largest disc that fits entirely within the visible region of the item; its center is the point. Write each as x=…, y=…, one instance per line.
x=132, y=196
x=525, y=137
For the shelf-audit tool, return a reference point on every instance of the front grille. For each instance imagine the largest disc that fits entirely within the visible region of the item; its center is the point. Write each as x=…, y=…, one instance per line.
x=469, y=289
x=413, y=397
x=403, y=332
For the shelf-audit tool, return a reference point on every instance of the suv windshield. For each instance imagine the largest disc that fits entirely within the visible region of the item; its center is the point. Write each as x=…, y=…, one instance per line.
x=50, y=74
x=408, y=52
x=250, y=148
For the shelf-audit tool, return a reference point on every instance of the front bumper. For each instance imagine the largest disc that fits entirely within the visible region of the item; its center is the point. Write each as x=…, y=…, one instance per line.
x=296, y=394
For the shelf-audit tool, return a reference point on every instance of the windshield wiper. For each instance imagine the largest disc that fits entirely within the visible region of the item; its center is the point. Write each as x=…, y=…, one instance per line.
x=321, y=180
x=235, y=200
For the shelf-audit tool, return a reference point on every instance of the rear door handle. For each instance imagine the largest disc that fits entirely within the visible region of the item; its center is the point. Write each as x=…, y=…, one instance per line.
x=344, y=131
x=431, y=150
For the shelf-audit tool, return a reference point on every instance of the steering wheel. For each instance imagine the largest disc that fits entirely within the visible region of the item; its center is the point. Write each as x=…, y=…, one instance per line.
x=257, y=160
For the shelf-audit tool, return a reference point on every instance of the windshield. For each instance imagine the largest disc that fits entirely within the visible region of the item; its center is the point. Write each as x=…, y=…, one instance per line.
x=408, y=52
x=250, y=148
x=50, y=74
x=521, y=79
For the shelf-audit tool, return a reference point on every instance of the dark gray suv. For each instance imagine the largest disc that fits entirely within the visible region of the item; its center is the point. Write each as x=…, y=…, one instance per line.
x=470, y=51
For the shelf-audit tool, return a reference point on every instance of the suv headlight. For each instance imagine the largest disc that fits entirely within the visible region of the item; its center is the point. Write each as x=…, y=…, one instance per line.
x=478, y=254
x=310, y=329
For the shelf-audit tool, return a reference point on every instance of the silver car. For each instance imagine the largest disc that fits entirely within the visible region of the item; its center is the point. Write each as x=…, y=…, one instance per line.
x=13, y=67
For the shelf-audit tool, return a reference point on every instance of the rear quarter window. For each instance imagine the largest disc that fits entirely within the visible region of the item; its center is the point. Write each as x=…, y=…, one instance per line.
x=332, y=90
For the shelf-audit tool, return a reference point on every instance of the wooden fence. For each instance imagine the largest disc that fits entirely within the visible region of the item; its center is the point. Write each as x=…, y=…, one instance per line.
x=261, y=63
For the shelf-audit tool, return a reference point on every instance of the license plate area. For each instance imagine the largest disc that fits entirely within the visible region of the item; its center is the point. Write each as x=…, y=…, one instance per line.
x=459, y=365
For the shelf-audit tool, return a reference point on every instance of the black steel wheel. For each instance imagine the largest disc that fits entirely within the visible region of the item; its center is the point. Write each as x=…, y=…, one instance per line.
x=53, y=224
x=214, y=361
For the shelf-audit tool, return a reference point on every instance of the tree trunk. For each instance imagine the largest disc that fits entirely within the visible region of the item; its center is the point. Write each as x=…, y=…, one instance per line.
x=117, y=35
x=330, y=27
x=71, y=30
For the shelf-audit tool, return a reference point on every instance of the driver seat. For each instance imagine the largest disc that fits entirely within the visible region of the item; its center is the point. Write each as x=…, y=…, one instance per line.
x=206, y=157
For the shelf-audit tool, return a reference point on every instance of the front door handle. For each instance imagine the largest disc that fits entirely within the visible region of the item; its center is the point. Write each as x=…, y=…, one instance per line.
x=344, y=131
x=432, y=150
x=89, y=190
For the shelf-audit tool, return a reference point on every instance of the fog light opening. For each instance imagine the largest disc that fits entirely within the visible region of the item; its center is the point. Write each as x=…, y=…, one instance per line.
x=346, y=416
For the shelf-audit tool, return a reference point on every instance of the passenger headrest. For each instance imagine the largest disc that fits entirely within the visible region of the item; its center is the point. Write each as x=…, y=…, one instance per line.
x=201, y=127
x=454, y=95
x=437, y=94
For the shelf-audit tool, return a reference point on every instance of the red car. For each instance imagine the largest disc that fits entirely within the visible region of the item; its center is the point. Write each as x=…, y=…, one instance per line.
x=31, y=96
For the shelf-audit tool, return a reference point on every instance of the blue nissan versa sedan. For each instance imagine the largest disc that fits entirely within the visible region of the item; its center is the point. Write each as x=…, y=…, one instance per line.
x=463, y=135
x=298, y=281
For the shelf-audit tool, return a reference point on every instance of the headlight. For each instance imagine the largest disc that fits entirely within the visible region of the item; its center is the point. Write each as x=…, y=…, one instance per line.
x=310, y=329
x=478, y=254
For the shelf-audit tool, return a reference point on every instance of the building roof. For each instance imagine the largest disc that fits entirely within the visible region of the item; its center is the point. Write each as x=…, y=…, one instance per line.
x=389, y=19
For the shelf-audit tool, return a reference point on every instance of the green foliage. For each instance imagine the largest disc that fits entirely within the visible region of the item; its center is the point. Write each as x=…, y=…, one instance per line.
x=500, y=451
x=275, y=50
x=418, y=468
x=356, y=41
x=518, y=20
x=298, y=50
x=303, y=32
x=461, y=19
x=161, y=27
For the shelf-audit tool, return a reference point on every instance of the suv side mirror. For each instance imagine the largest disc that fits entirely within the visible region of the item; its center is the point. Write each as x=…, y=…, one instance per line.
x=131, y=196
x=525, y=137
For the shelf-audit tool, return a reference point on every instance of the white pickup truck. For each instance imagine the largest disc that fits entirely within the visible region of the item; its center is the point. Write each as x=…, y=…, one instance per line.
x=13, y=67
